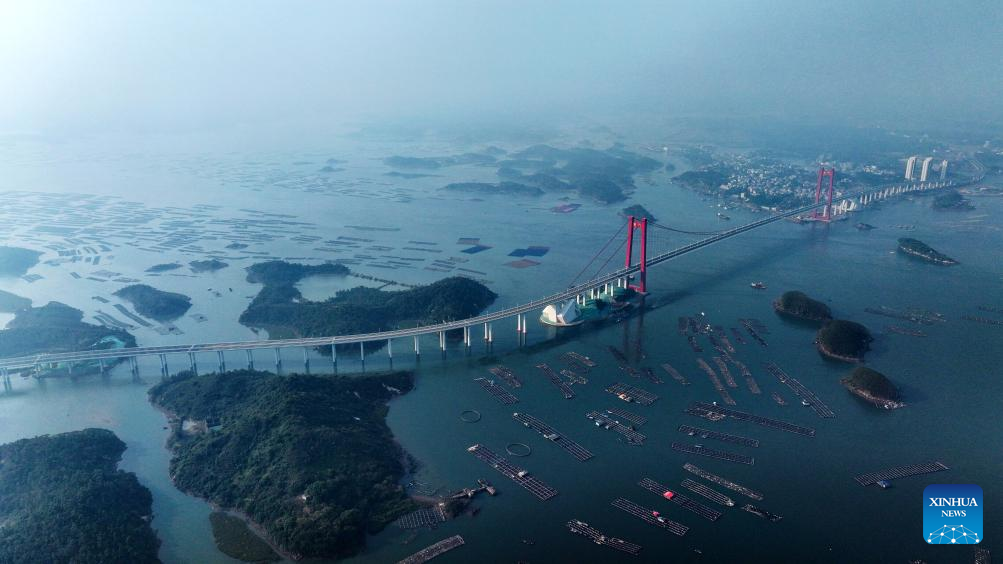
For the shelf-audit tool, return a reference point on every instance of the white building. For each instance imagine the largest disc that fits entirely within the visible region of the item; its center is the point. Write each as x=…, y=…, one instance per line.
x=926, y=169
x=943, y=169
x=561, y=314
x=910, y=165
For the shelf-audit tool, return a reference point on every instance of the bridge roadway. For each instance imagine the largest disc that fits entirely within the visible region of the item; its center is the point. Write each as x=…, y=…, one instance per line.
x=21, y=362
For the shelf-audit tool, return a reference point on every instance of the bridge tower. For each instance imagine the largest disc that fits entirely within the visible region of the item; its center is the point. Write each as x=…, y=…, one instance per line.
x=642, y=224
x=827, y=213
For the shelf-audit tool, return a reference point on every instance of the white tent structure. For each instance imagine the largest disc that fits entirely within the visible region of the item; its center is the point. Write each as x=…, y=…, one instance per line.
x=561, y=315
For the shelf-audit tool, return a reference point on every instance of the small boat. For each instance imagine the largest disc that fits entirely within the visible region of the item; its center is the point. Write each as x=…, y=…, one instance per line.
x=885, y=484
x=722, y=216
x=758, y=285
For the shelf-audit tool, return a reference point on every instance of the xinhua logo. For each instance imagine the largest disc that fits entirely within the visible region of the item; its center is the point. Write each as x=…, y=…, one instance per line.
x=952, y=514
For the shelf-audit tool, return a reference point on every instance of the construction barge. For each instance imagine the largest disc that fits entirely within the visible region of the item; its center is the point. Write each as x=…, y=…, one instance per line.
x=632, y=436
x=506, y=374
x=551, y=434
x=629, y=394
x=671, y=370
x=699, y=406
x=713, y=495
x=716, y=382
x=627, y=416
x=761, y=512
x=901, y=472
x=513, y=472
x=430, y=552
x=565, y=390
x=714, y=453
x=584, y=529
x=808, y=397
x=716, y=435
x=679, y=499
x=723, y=368
x=498, y=392
x=724, y=482
x=650, y=516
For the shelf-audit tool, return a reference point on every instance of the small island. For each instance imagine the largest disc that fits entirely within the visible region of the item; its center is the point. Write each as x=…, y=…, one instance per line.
x=15, y=261
x=952, y=201
x=844, y=340
x=165, y=267
x=280, y=309
x=155, y=304
x=873, y=387
x=211, y=265
x=798, y=305
x=62, y=499
x=919, y=249
x=510, y=188
x=639, y=212
x=57, y=327
x=309, y=459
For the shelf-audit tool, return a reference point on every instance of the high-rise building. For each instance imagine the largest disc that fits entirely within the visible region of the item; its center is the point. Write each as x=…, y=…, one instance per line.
x=926, y=169
x=943, y=169
x=909, y=166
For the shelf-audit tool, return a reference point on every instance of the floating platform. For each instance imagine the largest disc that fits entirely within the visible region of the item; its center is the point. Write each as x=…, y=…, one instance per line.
x=565, y=390
x=574, y=377
x=506, y=374
x=751, y=326
x=901, y=472
x=675, y=374
x=718, y=436
x=551, y=434
x=716, y=382
x=572, y=355
x=430, y=552
x=584, y=529
x=650, y=374
x=713, y=453
x=723, y=368
x=513, y=472
x=629, y=393
x=650, y=516
x=806, y=395
x=761, y=512
x=424, y=517
x=679, y=499
x=498, y=392
x=627, y=416
x=751, y=418
x=713, y=495
x=749, y=493
x=606, y=422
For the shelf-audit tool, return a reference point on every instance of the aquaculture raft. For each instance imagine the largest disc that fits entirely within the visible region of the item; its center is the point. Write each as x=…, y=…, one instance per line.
x=513, y=472
x=713, y=453
x=679, y=499
x=901, y=472
x=551, y=434
x=699, y=406
x=650, y=516
x=586, y=530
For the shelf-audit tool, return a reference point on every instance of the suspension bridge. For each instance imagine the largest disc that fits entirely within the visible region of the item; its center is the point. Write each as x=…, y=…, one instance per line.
x=593, y=287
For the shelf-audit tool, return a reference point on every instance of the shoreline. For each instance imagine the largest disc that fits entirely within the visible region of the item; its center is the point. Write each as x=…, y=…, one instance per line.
x=947, y=261
x=826, y=352
x=871, y=398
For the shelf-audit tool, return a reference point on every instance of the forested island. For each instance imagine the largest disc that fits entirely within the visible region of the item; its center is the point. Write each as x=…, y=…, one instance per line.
x=513, y=188
x=919, y=249
x=844, y=340
x=873, y=387
x=799, y=305
x=952, y=200
x=15, y=261
x=62, y=499
x=12, y=303
x=278, y=272
x=57, y=327
x=210, y=265
x=639, y=212
x=281, y=310
x=155, y=304
x=165, y=267
x=308, y=458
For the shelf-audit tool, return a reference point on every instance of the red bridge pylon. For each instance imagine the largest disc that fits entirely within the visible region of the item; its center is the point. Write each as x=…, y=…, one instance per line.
x=641, y=224
x=827, y=213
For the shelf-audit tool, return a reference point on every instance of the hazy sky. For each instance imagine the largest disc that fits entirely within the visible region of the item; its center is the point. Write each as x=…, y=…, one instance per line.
x=135, y=65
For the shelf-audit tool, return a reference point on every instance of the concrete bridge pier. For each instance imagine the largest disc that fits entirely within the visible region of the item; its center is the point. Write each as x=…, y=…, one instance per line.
x=334, y=357
x=194, y=365
x=163, y=365
x=278, y=361
x=101, y=365
x=491, y=333
x=442, y=343
x=362, y=355
x=221, y=363
x=134, y=366
x=250, y=359
x=306, y=359
x=390, y=352
x=466, y=338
